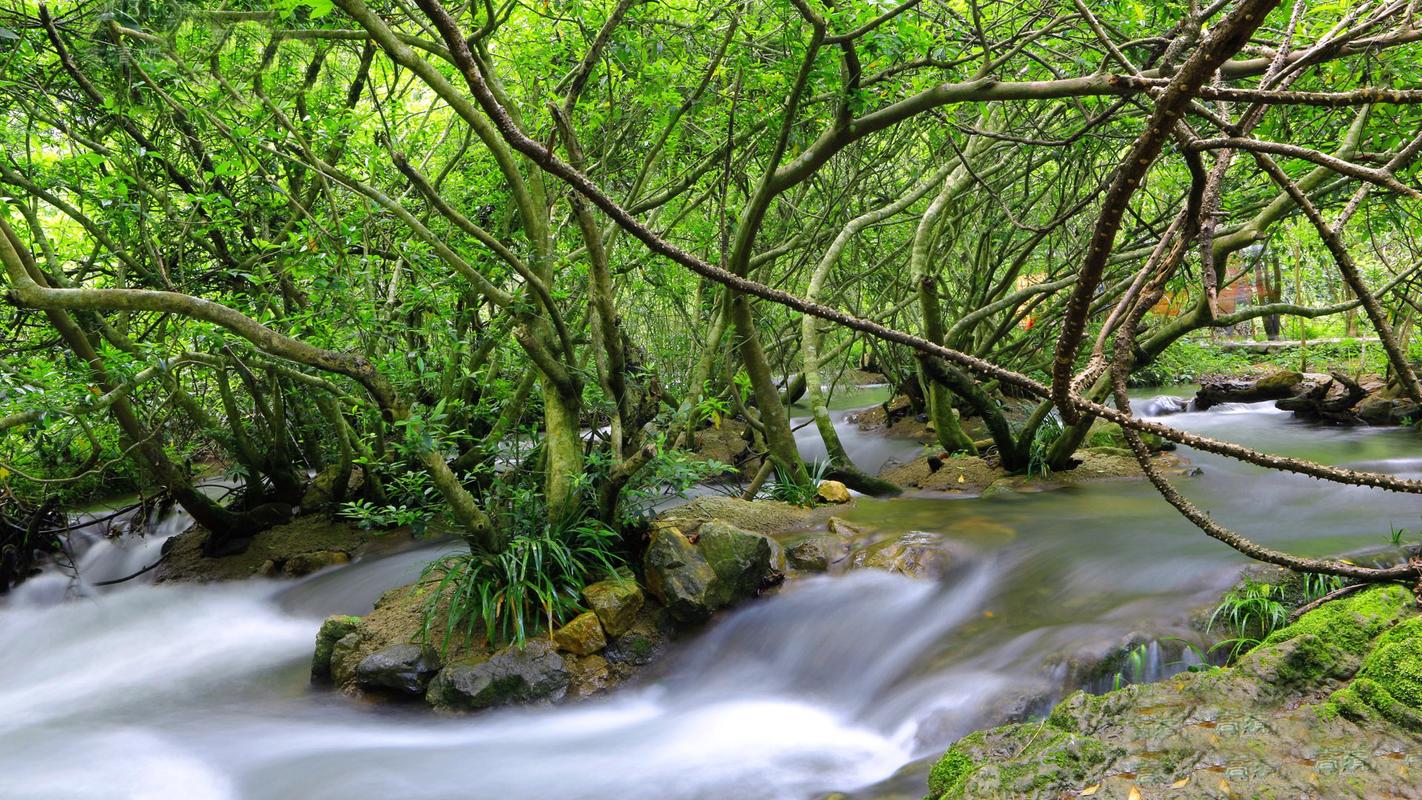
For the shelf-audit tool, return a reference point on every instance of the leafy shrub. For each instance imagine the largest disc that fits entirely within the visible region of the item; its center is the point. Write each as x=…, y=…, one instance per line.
x=796, y=491
x=532, y=585
x=1254, y=609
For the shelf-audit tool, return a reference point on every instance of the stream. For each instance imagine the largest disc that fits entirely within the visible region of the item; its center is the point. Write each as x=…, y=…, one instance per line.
x=834, y=684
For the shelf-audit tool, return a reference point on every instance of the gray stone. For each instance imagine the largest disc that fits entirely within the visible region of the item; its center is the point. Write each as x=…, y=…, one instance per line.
x=511, y=676
x=404, y=669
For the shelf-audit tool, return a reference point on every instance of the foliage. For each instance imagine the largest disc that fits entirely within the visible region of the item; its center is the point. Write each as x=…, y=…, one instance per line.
x=795, y=490
x=669, y=474
x=532, y=585
x=410, y=501
x=1047, y=433
x=1255, y=609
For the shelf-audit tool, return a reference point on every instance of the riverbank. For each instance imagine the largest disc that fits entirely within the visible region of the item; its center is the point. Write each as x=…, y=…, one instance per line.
x=1328, y=707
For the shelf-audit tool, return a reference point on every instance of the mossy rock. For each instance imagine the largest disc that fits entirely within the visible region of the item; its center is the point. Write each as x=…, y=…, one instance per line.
x=1390, y=680
x=332, y=630
x=1018, y=761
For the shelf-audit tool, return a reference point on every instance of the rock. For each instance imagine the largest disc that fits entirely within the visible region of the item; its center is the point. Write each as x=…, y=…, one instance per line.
x=1377, y=410
x=535, y=673
x=1274, y=386
x=839, y=527
x=678, y=575
x=322, y=489
x=916, y=554
x=332, y=630
x=588, y=676
x=343, y=661
x=1390, y=681
x=581, y=636
x=833, y=492
x=740, y=560
x=307, y=563
x=810, y=555
x=643, y=641
x=1262, y=718
x=404, y=669
x=615, y=602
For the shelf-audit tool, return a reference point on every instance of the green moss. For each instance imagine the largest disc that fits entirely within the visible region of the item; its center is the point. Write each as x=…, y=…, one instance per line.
x=1327, y=643
x=1350, y=623
x=1390, y=681
x=332, y=630
x=947, y=777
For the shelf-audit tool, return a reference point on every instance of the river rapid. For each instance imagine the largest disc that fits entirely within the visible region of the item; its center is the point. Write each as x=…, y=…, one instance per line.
x=841, y=683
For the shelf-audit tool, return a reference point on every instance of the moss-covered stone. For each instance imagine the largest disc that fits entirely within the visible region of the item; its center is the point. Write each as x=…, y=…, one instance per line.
x=616, y=602
x=947, y=777
x=740, y=559
x=332, y=630
x=582, y=635
x=1390, y=680
x=1282, y=723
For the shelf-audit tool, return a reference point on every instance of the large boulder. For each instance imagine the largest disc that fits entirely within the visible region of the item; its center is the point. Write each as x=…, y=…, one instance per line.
x=615, y=602
x=511, y=676
x=679, y=576
x=332, y=630
x=403, y=669
x=740, y=560
x=582, y=636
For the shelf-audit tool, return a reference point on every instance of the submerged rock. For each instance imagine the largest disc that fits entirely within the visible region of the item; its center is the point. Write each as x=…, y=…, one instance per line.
x=615, y=602
x=811, y=555
x=332, y=630
x=404, y=669
x=916, y=554
x=531, y=674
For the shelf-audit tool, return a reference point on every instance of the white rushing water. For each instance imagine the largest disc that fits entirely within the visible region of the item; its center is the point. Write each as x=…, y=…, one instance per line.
x=834, y=684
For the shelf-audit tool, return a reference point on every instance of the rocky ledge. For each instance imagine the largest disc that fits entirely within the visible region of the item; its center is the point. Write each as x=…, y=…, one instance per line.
x=1329, y=707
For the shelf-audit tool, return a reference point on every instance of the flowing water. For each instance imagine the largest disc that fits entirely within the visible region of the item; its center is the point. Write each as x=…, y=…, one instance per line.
x=834, y=684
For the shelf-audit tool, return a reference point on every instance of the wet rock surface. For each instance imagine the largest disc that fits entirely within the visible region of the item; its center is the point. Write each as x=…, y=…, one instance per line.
x=1329, y=707
x=404, y=669
x=533, y=673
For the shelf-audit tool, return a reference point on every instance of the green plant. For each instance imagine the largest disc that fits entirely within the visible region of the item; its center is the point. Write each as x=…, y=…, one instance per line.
x=531, y=585
x=1254, y=609
x=670, y=473
x=1047, y=432
x=798, y=491
x=411, y=501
